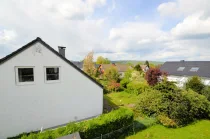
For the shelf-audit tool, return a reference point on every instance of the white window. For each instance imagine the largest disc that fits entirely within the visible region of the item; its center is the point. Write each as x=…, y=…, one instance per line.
x=180, y=68
x=52, y=74
x=194, y=69
x=24, y=75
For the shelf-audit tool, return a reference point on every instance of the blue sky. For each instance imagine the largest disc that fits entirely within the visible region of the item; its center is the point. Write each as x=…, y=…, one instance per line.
x=159, y=30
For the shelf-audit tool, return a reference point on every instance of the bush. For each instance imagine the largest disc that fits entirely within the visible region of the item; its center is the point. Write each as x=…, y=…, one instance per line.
x=137, y=87
x=195, y=84
x=206, y=92
x=166, y=86
x=112, y=74
x=89, y=129
x=174, y=108
x=113, y=86
x=151, y=103
x=166, y=121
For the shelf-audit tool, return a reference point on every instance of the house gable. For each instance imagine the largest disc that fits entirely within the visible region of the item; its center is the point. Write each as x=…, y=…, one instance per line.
x=37, y=49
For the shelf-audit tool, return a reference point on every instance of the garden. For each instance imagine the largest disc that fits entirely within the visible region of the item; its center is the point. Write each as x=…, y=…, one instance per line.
x=161, y=109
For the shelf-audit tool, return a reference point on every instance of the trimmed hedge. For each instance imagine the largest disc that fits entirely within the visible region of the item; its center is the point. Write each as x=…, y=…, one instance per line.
x=90, y=129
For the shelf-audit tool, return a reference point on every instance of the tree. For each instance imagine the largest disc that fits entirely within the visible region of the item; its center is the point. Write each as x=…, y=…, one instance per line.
x=147, y=63
x=112, y=74
x=138, y=68
x=88, y=65
x=195, y=84
x=153, y=76
x=102, y=60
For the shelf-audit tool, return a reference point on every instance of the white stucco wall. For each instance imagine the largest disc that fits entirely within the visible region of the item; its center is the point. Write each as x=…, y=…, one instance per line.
x=180, y=80
x=29, y=107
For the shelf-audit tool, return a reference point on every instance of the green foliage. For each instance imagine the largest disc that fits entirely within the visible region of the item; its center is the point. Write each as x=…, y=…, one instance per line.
x=195, y=84
x=111, y=74
x=138, y=68
x=151, y=103
x=166, y=121
x=137, y=87
x=102, y=60
x=175, y=107
x=206, y=92
x=126, y=79
x=166, y=86
x=89, y=129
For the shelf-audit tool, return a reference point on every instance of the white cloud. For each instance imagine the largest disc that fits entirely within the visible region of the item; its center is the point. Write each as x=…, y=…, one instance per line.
x=7, y=35
x=184, y=8
x=193, y=26
x=71, y=23
x=167, y=9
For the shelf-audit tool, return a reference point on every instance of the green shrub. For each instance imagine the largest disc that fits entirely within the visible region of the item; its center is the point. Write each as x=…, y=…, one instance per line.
x=166, y=87
x=206, y=92
x=166, y=121
x=151, y=103
x=174, y=108
x=89, y=129
x=195, y=84
x=137, y=87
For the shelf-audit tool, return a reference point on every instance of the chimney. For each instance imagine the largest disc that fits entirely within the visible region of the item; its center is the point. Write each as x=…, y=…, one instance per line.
x=61, y=50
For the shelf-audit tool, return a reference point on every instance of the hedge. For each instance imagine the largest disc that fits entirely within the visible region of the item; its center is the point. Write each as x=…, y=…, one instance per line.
x=89, y=129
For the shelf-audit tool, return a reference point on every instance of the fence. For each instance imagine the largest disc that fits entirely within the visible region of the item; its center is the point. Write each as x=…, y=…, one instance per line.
x=119, y=132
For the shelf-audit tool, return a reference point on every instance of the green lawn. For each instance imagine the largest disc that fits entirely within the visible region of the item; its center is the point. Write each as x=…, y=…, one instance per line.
x=199, y=130
x=122, y=99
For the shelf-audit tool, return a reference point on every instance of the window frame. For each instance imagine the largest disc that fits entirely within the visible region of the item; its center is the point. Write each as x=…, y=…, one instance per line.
x=52, y=81
x=194, y=69
x=17, y=75
x=180, y=68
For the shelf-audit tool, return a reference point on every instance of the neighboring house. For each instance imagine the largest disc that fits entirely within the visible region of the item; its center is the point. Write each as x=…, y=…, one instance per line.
x=144, y=68
x=40, y=88
x=80, y=64
x=122, y=68
x=180, y=71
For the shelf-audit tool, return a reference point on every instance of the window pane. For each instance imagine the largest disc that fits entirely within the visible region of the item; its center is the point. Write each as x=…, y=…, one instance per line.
x=52, y=73
x=26, y=74
x=180, y=68
x=194, y=69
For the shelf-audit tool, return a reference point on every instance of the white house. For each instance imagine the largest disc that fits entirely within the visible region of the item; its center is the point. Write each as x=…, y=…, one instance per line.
x=181, y=71
x=40, y=88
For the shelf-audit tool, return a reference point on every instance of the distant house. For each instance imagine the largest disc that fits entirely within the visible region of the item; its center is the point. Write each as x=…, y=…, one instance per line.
x=144, y=68
x=40, y=88
x=180, y=71
x=80, y=64
x=122, y=68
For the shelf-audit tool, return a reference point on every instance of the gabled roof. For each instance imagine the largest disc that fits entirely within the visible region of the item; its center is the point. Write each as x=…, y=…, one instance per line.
x=8, y=57
x=79, y=64
x=187, y=68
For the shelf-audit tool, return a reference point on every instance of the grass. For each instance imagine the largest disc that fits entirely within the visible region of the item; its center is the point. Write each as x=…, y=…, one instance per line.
x=122, y=99
x=198, y=130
